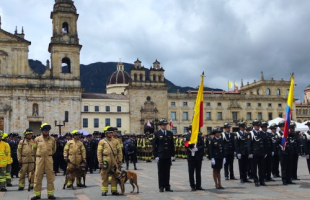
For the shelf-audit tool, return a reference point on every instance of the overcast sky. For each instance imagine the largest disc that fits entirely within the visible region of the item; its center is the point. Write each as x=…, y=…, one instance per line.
x=228, y=39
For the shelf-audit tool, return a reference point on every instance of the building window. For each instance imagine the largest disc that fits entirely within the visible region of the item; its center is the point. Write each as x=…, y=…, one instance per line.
x=259, y=116
x=219, y=104
x=268, y=91
x=219, y=116
x=248, y=105
x=278, y=92
x=35, y=108
x=96, y=123
x=209, y=130
x=65, y=27
x=66, y=116
x=173, y=115
x=96, y=108
x=174, y=130
x=234, y=116
x=85, y=122
x=135, y=77
x=287, y=91
x=107, y=108
x=208, y=115
x=85, y=108
x=65, y=65
x=141, y=77
x=185, y=129
x=119, y=108
x=280, y=105
x=185, y=115
x=269, y=105
x=281, y=115
x=118, y=122
x=259, y=105
x=172, y=103
x=249, y=116
x=208, y=104
x=270, y=116
x=185, y=104
x=107, y=122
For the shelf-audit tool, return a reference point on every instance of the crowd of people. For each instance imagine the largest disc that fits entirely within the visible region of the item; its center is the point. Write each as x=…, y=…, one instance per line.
x=258, y=148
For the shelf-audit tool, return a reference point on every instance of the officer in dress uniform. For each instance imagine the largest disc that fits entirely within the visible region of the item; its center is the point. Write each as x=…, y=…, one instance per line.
x=96, y=139
x=270, y=153
x=248, y=130
x=241, y=147
x=229, y=151
x=295, y=142
x=276, y=149
x=257, y=149
x=306, y=143
x=56, y=156
x=90, y=152
x=163, y=150
x=14, y=145
x=195, y=154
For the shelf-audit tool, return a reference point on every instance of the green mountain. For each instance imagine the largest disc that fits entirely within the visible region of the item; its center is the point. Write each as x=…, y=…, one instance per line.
x=94, y=76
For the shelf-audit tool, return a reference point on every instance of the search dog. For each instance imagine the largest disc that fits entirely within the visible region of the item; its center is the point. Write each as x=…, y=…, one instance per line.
x=128, y=175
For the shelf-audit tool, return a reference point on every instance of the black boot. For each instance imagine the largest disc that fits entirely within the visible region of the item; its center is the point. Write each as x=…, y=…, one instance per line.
x=35, y=198
x=51, y=197
x=127, y=166
x=135, y=166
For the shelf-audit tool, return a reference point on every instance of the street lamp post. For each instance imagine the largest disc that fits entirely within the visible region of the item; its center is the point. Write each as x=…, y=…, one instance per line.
x=60, y=125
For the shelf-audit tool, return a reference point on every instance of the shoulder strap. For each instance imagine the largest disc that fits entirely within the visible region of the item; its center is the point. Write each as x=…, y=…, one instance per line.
x=307, y=135
x=238, y=135
x=224, y=136
x=110, y=146
x=252, y=134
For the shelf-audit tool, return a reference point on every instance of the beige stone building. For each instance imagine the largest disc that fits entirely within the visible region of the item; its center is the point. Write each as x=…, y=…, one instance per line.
x=28, y=99
x=303, y=109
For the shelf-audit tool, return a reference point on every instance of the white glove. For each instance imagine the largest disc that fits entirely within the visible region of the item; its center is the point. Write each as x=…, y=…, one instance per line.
x=224, y=161
x=239, y=156
x=212, y=161
x=235, y=153
x=265, y=155
x=172, y=158
x=157, y=159
x=251, y=156
x=194, y=149
x=272, y=153
x=307, y=156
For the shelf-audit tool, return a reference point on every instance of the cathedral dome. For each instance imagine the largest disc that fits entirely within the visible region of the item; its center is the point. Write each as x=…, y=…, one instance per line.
x=119, y=77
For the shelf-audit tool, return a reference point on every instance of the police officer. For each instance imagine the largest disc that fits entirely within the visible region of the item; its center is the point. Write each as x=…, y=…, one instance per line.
x=195, y=154
x=26, y=158
x=306, y=143
x=295, y=143
x=90, y=152
x=216, y=149
x=107, y=158
x=242, y=151
x=130, y=151
x=270, y=152
x=257, y=150
x=96, y=139
x=229, y=151
x=164, y=151
x=276, y=149
x=60, y=151
x=56, y=156
x=13, y=145
x=248, y=130
x=44, y=147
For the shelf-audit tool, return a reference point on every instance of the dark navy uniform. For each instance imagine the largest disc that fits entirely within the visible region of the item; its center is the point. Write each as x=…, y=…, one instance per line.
x=216, y=149
x=268, y=159
x=241, y=147
x=15, y=165
x=257, y=149
x=90, y=148
x=295, y=142
x=163, y=148
x=275, y=159
x=229, y=151
x=195, y=162
x=306, y=143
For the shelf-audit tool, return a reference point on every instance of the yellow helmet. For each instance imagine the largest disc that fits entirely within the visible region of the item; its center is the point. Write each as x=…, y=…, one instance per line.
x=46, y=127
x=75, y=132
x=28, y=131
x=106, y=128
x=4, y=136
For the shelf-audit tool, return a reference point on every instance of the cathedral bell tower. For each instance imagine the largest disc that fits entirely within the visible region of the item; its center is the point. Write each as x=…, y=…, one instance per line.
x=64, y=46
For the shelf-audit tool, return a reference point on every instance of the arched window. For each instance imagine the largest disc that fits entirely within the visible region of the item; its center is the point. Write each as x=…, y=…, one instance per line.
x=257, y=92
x=66, y=65
x=135, y=77
x=159, y=78
x=278, y=91
x=154, y=77
x=65, y=27
x=141, y=77
x=35, y=110
x=268, y=91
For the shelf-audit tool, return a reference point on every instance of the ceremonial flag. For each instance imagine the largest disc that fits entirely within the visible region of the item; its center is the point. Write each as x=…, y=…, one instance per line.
x=229, y=84
x=171, y=124
x=236, y=86
x=290, y=101
x=198, y=114
x=148, y=124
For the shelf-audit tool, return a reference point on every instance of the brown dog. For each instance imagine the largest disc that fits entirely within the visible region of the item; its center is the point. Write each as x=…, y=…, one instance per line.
x=128, y=175
x=77, y=172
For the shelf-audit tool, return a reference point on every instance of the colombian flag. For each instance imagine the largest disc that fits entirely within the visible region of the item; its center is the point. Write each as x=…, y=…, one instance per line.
x=290, y=101
x=198, y=114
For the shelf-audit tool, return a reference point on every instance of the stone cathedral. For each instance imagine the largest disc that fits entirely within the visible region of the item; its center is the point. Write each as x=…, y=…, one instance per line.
x=28, y=99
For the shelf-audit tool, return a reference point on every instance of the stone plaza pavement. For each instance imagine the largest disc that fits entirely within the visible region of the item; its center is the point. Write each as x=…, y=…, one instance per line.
x=147, y=180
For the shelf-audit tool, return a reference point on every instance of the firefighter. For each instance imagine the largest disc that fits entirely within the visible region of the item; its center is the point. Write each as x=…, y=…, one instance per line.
x=74, y=155
x=9, y=161
x=107, y=157
x=25, y=158
x=3, y=162
x=43, y=148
